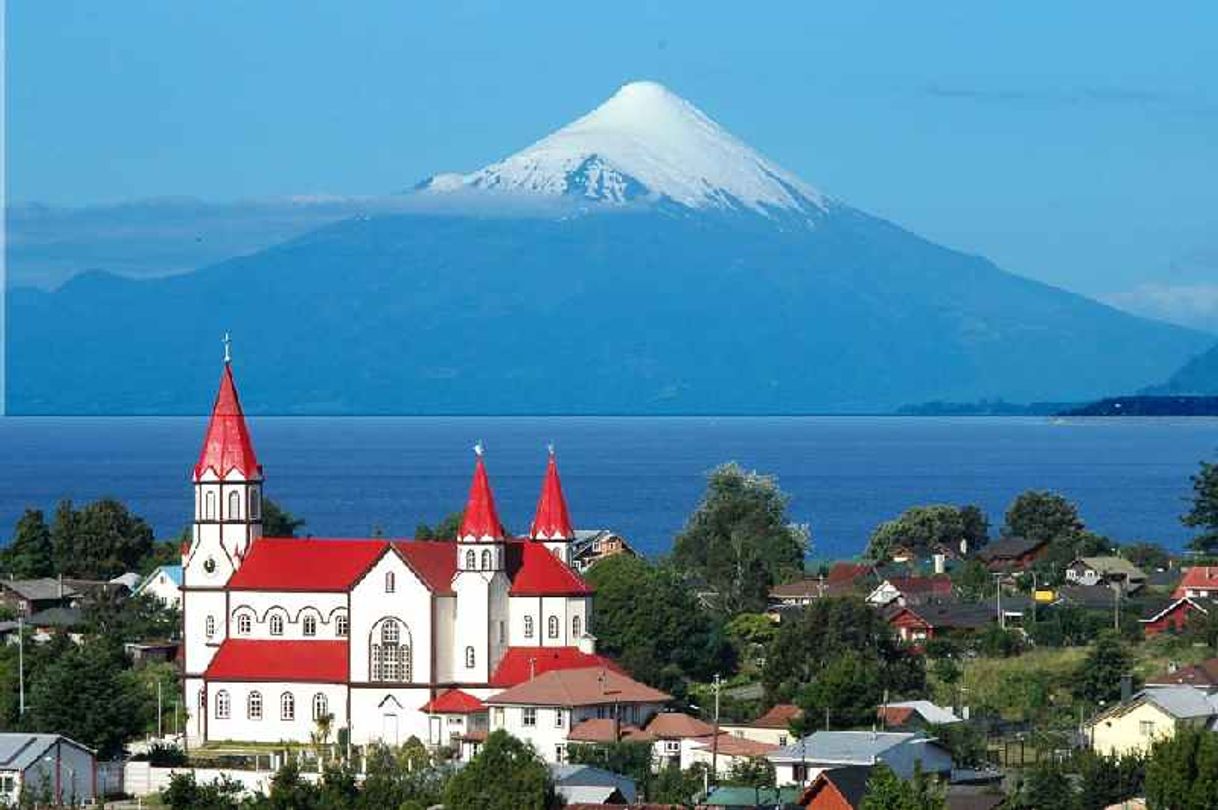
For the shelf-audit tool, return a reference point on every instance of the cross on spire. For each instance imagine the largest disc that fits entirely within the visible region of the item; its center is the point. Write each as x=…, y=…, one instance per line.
x=228, y=354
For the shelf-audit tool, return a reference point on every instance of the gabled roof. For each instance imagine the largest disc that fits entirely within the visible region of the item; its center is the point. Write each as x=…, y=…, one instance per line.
x=227, y=445
x=606, y=729
x=594, y=686
x=1110, y=565
x=20, y=750
x=949, y=615
x=1203, y=675
x=434, y=563
x=901, y=710
x=1181, y=702
x=844, y=747
x=677, y=726
x=1184, y=602
x=453, y=701
x=551, y=521
x=40, y=589
x=293, y=564
x=780, y=716
x=1009, y=548
x=480, y=519
x=173, y=572
x=1198, y=577
x=937, y=584
x=850, y=782
x=519, y=664
x=542, y=574
x=845, y=572
x=56, y=617
x=729, y=745
x=296, y=661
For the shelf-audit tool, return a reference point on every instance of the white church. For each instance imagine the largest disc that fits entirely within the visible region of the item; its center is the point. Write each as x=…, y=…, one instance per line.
x=388, y=638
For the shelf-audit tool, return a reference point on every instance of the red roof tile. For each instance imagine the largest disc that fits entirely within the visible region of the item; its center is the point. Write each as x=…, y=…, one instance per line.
x=587, y=686
x=453, y=701
x=843, y=572
x=480, y=518
x=293, y=564
x=606, y=729
x=227, y=445
x=297, y=661
x=435, y=563
x=729, y=745
x=519, y=664
x=1203, y=577
x=778, y=717
x=675, y=726
x=551, y=520
x=543, y=574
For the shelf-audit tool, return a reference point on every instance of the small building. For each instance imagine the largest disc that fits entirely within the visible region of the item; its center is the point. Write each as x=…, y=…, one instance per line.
x=54, y=621
x=454, y=715
x=1150, y=715
x=918, y=623
x=1111, y=571
x=1012, y=553
x=1174, y=616
x=584, y=784
x=903, y=751
x=590, y=546
x=1198, y=582
x=164, y=584
x=773, y=727
x=28, y=596
x=676, y=735
x=1203, y=676
x=726, y=751
x=908, y=715
x=911, y=590
x=1086, y=597
x=837, y=789
x=47, y=768
x=747, y=798
x=800, y=593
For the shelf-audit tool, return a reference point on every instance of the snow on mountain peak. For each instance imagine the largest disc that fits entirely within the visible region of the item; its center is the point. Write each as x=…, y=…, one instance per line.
x=644, y=142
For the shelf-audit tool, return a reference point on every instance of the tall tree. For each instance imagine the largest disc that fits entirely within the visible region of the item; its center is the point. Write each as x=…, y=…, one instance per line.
x=886, y=791
x=1042, y=516
x=279, y=522
x=1182, y=772
x=63, y=535
x=446, y=529
x=505, y=775
x=101, y=540
x=1204, y=512
x=739, y=540
x=921, y=528
x=1098, y=679
x=30, y=553
x=1046, y=787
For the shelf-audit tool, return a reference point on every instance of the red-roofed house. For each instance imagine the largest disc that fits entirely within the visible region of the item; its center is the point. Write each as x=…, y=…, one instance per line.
x=393, y=638
x=773, y=727
x=1200, y=581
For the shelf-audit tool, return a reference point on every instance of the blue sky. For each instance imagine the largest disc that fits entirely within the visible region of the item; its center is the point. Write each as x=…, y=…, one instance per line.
x=1072, y=142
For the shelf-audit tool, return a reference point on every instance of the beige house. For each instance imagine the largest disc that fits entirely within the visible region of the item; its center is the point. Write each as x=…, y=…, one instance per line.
x=1150, y=715
x=773, y=727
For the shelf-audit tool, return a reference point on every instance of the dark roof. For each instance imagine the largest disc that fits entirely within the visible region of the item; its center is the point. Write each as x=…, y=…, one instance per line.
x=850, y=781
x=973, y=797
x=953, y=615
x=1008, y=548
x=1086, y=596
x=56, y=617
x=38, y=590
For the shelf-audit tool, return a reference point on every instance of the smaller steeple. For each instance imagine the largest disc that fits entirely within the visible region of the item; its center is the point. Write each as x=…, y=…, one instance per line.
x=551, y=521
x=227, y=445
x=480, y=520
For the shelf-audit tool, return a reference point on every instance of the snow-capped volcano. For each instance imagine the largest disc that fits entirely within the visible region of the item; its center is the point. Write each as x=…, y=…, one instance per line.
x=645, y=142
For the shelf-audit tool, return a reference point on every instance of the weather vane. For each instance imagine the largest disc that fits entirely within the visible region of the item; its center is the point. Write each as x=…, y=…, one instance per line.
x=478, y=448
x=228, y=355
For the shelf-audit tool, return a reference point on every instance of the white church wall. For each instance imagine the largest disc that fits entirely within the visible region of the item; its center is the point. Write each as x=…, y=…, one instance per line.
x=445, y=631
x=201, y=611
x=273, y=726
x=291, y=607
x=389, y=715
x=409, y=603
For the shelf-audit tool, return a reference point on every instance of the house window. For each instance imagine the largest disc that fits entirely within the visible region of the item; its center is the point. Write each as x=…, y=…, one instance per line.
x=469, y=657
x=253, y=706
x=209, y=626
x=560, y=753
x=390, y=582
x=782, y=740
x=389, y=657
x=487, y=562
x=528, y=717
x=558, y=718
x=276, y=624
x=576, y=627
x=321, y=706
x=341, y=627
x=287, y=706
x=471, y=560
x=309, y=625
x=223, y=705
x=528, y=626
x=1146, y=728
x=243, y=624
x=234, y=505
x=552, y=627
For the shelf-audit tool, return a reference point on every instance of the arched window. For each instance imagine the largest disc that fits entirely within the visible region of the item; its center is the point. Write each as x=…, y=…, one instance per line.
x=389, y=658
x=552, y=627
x=223, y=705
x=209, y=506
x=287, y=706
x=471, y=560
x=390, y=582
x=255, y=504
x=487, y=563
x=308, y=625
x=576, y=627
x=321, y=706
x=528, y=626
x=234, y=506
x=243, y=624
x=253, y=706
x=469, y=657
x=341, y=626
x=209, y=626
x=276, y=624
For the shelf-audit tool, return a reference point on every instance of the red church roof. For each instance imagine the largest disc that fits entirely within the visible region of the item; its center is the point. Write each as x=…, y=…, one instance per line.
x=543, y=574
x=551, y=520
x=453, y=701
x=227, y=445
x=519, y=664
x=480, y=518
x=292, y=564
x=435, y=563
x=298, y=661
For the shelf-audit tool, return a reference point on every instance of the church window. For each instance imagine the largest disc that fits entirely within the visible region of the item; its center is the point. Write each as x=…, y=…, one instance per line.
x=276, y=624
x=502, y=632
x=243, y=624
x=234, y=506
x=528, y=626
x=287, y=706
x=209, y=626
x=576, y=627
x=390, y=582
x=308, y=625
x=321, y=706
x=341, y=626
x=253, y=706
x=209, y=506
x=469, y=658
x=471, y=560
x=487, y=563
x=223, y=705
x=390, y=656
x=255, y=504
x=528, y=717
x=552, y=627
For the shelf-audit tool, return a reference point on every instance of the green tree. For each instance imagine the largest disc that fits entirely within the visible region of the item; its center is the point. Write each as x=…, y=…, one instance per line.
x=739, y=540
x=30, y=553
x=446, y=529
x=135, y=618
x=185, y=793
x=1042, y=516
x=972, y=581
x=1204, y=512
x=922, y=528
x=1098, y=679
x=976, y=526
x=1046, y=787
x=291, y=792
x=1147, y=556
x=676, y=786
x=750, y=634
x=845, y=693
x=102, y=540
x=626, y=757
x=505, y=775
x=279, y=522
x=1182, y=772
x=650, y=621
x=63, y=535
x=1105, y=780
x=886, y=791
x=755, y=772
x=396, y=778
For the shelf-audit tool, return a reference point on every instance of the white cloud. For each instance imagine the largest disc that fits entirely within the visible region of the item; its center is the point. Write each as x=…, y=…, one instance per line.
x=1194, y=305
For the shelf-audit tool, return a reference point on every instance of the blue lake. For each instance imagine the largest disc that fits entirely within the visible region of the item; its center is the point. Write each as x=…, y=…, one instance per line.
x=640, y=476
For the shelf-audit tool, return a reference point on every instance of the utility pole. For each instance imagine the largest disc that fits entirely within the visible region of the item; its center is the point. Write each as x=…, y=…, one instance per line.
x=715, y=739
x=21, y=663
x=1002, y=623
x=1116, y=607
x=160, y=731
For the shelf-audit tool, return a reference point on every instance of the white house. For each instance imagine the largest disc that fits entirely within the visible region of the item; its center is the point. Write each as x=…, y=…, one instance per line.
x=800, y=761
x=48, y=768
x=371, y=633
x=165, y=584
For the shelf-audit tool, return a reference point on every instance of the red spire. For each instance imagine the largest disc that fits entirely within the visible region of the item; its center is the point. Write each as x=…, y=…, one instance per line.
x=227, y=445
x=480, y=519
x=551, y=521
